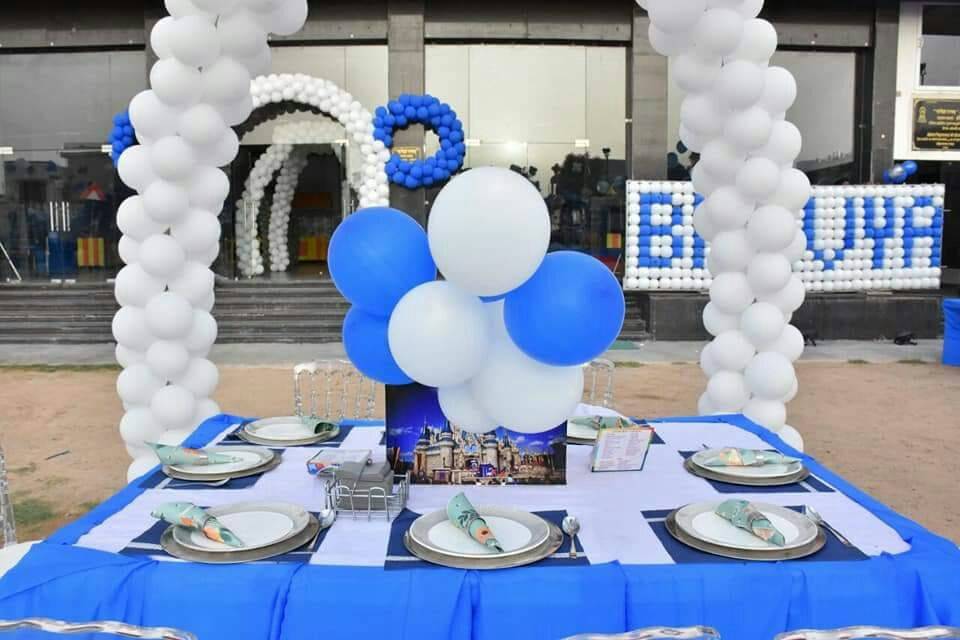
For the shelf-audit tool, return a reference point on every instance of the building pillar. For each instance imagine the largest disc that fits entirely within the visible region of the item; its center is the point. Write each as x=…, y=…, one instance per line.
x=405, y=52
x=884, y=85
x=646, y=105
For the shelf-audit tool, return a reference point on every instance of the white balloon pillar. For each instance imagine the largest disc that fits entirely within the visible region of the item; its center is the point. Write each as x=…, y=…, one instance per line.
x=280, y=211
x=200, y=87
x=733, y=116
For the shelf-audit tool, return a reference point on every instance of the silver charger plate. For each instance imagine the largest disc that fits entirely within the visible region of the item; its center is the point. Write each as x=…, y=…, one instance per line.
x=746, y=481
x=216, y=472
x=176, y=550
x=495, y=561
x=517, y=531
x=700, y=521
x=283, y=431
x=700, y=458
x=257, y=524
x=739, y=554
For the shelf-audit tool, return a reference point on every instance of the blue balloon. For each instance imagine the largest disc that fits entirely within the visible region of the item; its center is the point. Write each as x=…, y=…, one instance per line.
x=127, y=130
x=377, y=255
x=443, y=131
x=438, y=174
x=390, y=120
x=381, y=112
x=910, y=167
x=444, y=108
x=378, y=123
x=410, y=112
x=456, y=135
x=411, y=182
x=422, y=113
x=416, y=171
x=433, y=110
x=446, y=120
x=401, y=120
x=395, y=107
x=569, y=312
x=398, y=177
x=887, y=179
x=118, y=119
x=405, y=99
x=416, y=101
x=127, y=141
x=365, y=341
x=428, y=180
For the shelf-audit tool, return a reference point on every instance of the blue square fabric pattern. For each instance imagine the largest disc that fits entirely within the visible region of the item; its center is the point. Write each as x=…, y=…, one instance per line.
x=833, y=550
x=147, y=544
x=811, y=485
x=399, y=558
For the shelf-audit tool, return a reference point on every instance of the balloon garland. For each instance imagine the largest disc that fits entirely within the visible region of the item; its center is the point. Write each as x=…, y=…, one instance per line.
x=280, y=211
x=122, y=136
x=437, y=117
x=200, y=87
x=514, y=361
x=734, y=116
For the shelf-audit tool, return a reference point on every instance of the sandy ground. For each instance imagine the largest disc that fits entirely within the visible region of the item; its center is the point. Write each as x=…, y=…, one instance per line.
x=891, y=429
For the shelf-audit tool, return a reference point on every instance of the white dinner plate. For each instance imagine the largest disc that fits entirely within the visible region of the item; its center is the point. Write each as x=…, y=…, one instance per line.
x=516, y=531
x=256, y=524
x=765, y=471
x=699, y=521
x=581, y=432
x=250, y=458
x=285, y=430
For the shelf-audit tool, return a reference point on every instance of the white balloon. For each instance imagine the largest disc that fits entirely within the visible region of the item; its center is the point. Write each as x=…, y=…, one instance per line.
x=795, y=251
x=221, y=152
x=169, y=316
x=206, y=409
x=727, y=391
x=489, y=230
x=201, y=125
x=731, y=351
x=137, y=385
x=771, y=414
x=758, y=43
x=200, y=377
x=768, y=273
x=127, y=357
x=194, y=283
x=203, y=333
x=703, y=181
x=240, y=34
x=672, y=16
x=226, y=80
x=750, y=9
x=771, y=228
x=793, y=391
x=717, y=322
x=703, y=114
x=779, y=90
x=770, y=375
x=789, y=298
x=165, y=202
x=789, y=343
x=708, y=363
x=162, y=256
x=135, y=287
x=138, y=426
x=730, y=251
x=181, y=8
x=694, y=141
x=207, y=188
x=167, y=358
x=758, y=178
x=784, y=144
x=151, y=117
x=287, y=18
x=462, y=410
x=133, y=220
x=175, y=83
x=762, y=324
x=694, y=72
x=129, y=328
x=439, y=334
x=740, y=83
x=668, y=44
x=793, y=192
x=524, y=395
x=174, y=437
x=197, y=231
x=719, y=31
x=749, y=129
x=216, y=6
x=791, y=436
x=727, y=208
x=705, y=405
x=160, y=37
x=173, y=407
x=193, y=41
x=129, y=249
x=135, y=169
x=141, y=466
x=703, y=224
x=731, y=292
x=236, y=112
x=723, y=160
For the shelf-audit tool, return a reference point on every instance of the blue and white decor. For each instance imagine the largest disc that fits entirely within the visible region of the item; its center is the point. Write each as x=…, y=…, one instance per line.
x=437, y=117
x=122, y=135
x=859, y=238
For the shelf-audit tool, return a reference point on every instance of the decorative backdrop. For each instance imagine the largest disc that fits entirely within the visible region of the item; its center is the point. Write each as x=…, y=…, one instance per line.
x=858, y=238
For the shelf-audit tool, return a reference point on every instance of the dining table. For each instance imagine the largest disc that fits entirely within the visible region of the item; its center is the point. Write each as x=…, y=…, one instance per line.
x=357, y=579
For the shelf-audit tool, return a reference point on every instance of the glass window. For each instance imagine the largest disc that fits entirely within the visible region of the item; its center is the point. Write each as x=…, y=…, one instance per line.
x=553, y=113
x=940, y=46
x=58, y=190
x=824, y=113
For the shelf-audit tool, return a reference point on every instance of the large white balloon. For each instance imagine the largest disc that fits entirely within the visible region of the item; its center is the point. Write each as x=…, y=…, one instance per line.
x=771, y=228
x=758, y=43
x=489, y=230
x=462, y=410
x=200, y=377
x=135, y=287
x=287, y=18
x=193, y=40
x=138, y=426
x=740, y=83
x=135, y=169
x=240, y=34
x=728, y=208
x=789, y=343
x=793, y=192
x=708, y=365
x=694, y=72
x=770, y=375
x=141, y=466
x=730, y=251
x=789, y=298
x=523, y=395
x=727, y=391
x=160, y=37
x=762, y=324
x=716, y=321
x=731, y=351
x=136, y=385
x=791, y=436
x=749, y=129
x=723, y=160
x=130, y=328
x=165, y=202
x=731, y=292
x=174, y=407
x=758, y=178
x=439, y=334
x=198, y=231
x=784, y=144
x=168, y=358
x=671, y=16
x=175, y=83
x=771, y=414
x=719, y=30
x=151, y=117
x=132, y=218
x=768, y=273
x=161, y=256
x=208, y=188
x=203, y=333
x=226, y=80
x=780, y=90
x=169, y=316
x=201, y=125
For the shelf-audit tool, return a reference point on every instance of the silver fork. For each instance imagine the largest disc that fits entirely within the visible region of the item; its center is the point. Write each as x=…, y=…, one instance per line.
x=178, y=484
x=814, y=515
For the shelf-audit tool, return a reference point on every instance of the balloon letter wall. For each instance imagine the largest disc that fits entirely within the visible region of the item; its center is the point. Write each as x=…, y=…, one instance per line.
x=200, y=87
x=733, y=116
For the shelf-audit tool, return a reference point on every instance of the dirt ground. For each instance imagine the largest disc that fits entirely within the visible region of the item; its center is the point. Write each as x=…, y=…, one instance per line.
x=891, y=429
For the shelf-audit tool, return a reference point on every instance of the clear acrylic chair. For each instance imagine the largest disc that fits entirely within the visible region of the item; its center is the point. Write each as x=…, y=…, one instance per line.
x=335, y=390
x=58, y=627
x=598, y=383
x=655, y=633
x=874, y=633
x=7, y=522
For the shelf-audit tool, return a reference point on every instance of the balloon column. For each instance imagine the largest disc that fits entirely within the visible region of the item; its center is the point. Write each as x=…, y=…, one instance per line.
x=200, y=87
x=733, y=116
x=504, y=335
x=122, y=136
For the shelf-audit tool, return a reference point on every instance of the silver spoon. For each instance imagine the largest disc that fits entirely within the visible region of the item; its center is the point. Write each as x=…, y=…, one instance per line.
x=326, y=517
x=571, y=527
x=814, y=515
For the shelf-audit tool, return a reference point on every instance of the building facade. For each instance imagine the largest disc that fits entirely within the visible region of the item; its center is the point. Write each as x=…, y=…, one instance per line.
x=568, y=93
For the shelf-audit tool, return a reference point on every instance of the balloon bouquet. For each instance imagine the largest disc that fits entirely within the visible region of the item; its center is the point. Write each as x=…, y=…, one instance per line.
x=504, y=334
x=899, y=173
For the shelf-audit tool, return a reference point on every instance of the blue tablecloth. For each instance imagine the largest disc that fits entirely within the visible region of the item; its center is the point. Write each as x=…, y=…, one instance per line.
x=299, y=601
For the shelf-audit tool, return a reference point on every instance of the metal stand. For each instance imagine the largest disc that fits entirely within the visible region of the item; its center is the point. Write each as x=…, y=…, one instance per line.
x=10, y=262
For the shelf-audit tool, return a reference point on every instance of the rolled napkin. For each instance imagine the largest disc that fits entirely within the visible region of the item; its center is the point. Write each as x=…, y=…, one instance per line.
x=190, y=515
x=745, y=516
x=184, y=456
x=462, y=514
x=602, y=422
x=732, y=457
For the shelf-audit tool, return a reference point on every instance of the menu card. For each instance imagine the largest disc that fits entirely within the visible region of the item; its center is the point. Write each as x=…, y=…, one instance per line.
x=621, y=449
